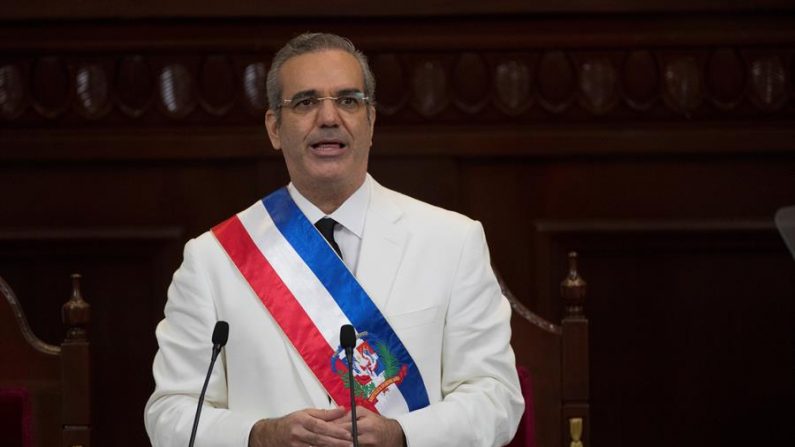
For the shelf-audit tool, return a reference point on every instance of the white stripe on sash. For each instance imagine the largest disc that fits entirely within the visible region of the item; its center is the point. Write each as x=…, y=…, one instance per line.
x=296, y=275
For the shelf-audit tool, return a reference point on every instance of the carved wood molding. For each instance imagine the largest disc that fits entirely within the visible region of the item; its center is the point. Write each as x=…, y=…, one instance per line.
x=522, y=70
x=148, y=89
x=509, y=86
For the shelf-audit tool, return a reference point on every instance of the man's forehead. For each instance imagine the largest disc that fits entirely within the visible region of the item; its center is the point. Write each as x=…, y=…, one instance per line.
x=323, y=71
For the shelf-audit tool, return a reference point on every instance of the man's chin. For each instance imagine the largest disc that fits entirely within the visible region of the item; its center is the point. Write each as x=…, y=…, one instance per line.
x=328, y=178
x=336, y=178
x=331, y=170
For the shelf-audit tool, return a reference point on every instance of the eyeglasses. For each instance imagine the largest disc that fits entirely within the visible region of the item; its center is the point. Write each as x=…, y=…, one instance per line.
x=349, y=102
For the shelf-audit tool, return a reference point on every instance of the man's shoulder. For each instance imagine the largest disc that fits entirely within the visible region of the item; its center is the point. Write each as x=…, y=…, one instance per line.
x=424, y=213
x=201, y=246
x=206, y=242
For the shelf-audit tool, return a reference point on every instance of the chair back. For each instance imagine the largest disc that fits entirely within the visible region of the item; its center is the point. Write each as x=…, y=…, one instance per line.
x=44, y=389
x=552, y=360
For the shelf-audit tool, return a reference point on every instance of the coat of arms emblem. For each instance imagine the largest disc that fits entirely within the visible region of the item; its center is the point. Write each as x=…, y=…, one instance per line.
x=375, y=368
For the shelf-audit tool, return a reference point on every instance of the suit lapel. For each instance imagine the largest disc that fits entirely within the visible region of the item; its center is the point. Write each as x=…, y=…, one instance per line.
x=383, y=245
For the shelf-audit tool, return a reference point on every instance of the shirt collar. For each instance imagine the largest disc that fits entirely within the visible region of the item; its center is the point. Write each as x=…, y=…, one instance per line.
x=351, y=214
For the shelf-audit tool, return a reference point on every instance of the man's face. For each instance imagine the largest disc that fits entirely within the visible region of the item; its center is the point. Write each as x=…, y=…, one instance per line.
x=327, y=147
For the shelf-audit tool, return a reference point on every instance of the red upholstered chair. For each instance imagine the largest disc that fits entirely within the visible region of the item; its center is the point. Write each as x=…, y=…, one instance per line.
x=552, y=361
x=526, y=434
x=44, y=389
x=15, y=417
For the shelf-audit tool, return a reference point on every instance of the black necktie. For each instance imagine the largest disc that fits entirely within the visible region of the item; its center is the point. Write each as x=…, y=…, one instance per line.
x=326, y=228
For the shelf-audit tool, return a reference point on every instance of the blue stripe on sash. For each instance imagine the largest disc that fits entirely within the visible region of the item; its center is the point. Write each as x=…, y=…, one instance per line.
x=343, y=287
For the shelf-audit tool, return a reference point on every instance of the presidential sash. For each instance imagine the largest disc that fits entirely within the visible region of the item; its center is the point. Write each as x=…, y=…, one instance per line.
x=311, y=293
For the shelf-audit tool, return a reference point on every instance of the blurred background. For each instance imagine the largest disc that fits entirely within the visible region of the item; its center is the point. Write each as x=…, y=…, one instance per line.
x=656, y=138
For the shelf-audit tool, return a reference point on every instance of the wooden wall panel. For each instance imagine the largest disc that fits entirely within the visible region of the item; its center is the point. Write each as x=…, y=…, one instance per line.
x=673, y=191
x=689, y=329
x=700, y=284
x=432, y=179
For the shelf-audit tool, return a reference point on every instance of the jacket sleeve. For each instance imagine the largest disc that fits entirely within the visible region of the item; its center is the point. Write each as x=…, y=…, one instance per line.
x=184, y=337
x=481, y=400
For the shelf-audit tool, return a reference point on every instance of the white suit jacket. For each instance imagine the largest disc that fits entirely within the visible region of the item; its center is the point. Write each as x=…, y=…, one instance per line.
x=428, y=271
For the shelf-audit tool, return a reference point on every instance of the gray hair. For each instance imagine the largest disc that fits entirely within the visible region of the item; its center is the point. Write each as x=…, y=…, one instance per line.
x=310, y=43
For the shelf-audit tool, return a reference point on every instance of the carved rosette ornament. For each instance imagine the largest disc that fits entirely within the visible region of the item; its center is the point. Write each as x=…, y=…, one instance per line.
x=12, y=92
x=175, y=86
x=640, y=80
x=92, y=91
x=684, y=91
x=768, y=83
x=726, y=78
x=598, y=86
x=254, y=86
x=392, y=91
x=470, y=83
x=50, y=87
x=217, y=85
x=557, y=82
x=512, y=82
x=429, y=85
x=135, y=87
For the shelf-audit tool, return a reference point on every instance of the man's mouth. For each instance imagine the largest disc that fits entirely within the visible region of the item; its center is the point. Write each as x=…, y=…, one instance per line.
x=328, y=145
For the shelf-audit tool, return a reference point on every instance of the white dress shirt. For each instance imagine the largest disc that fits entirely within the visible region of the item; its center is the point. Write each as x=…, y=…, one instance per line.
x=350, y=216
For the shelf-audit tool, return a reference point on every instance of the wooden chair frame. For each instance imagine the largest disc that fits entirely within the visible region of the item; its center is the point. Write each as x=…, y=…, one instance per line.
x=557, y=359
x=56, y=378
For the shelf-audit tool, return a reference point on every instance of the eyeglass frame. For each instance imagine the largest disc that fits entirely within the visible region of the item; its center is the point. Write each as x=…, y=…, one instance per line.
x=358, y=95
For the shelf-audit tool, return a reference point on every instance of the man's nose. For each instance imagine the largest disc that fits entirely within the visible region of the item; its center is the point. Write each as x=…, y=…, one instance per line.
x=327, y=113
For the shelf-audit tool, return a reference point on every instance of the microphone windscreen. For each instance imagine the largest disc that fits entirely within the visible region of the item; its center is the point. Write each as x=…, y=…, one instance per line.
x=347, y=336
x=220, y=333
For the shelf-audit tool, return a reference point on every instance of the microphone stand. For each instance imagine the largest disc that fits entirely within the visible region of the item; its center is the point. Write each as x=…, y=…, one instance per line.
x=348, y=341
x=220, y=335
x=354, y=428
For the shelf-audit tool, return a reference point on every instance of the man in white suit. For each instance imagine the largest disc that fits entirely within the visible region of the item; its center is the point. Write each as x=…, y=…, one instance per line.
x=424, y=271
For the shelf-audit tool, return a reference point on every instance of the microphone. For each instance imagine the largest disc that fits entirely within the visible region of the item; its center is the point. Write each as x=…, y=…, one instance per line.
x=348, y=341
x=220, y=335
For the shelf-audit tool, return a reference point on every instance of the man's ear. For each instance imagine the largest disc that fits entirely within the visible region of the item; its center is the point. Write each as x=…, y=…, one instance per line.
x=272, y=125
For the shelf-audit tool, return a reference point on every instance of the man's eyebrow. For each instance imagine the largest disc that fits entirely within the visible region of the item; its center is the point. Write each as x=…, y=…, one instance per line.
x=304, y=94
x=347, y=91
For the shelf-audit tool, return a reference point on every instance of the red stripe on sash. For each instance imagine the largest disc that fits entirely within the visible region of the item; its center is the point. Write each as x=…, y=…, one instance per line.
x=282, y=305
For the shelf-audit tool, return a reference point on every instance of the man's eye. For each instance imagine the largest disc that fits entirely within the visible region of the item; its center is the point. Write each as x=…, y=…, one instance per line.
x=305, y=103
x=348, y=100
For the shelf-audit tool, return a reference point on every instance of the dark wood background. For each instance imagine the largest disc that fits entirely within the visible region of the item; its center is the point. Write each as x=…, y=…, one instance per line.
x=656, y=138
